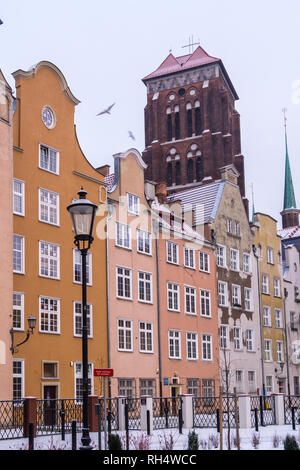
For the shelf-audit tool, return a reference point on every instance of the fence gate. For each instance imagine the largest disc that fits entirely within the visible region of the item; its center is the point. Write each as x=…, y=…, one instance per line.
x=134, y=413
x=112, y=413
x=165, y=412
x=264, y=408
x=291, y=405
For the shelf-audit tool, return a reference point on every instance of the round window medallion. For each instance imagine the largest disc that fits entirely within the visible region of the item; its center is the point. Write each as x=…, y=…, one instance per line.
x=48, y=117
x=171, y=97
x=192, y=92
x=194, y=146
x=181, y=92
x=173, y=151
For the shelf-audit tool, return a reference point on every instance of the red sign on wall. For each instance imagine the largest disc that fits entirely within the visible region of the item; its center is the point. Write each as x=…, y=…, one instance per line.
x=103, y=372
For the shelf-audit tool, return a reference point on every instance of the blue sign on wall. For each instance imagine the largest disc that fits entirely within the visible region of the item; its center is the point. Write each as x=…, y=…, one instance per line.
x=166, y=381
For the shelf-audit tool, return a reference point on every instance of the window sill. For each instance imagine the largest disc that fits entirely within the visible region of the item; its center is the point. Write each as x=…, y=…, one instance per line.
x=124, y=298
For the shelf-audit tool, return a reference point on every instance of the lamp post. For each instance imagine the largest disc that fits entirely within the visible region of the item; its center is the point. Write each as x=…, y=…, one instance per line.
x=31, y=325
x=82, y=214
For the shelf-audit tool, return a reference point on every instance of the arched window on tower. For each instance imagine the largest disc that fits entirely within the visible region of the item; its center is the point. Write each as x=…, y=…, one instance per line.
x=177, y=123
x=190, y=171
x=197, y=118
x=169, y=125
x=169, y=174
x=199, y=169
x=189, y=120
x=178, y=173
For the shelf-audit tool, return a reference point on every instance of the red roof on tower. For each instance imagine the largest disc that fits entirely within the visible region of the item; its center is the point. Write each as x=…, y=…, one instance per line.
x=176, y=64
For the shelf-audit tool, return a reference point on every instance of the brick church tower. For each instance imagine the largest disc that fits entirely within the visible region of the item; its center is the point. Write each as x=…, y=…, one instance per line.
x=192, y=128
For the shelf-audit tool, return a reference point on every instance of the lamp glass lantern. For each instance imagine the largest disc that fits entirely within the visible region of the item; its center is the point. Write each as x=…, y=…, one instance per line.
x=82, y=212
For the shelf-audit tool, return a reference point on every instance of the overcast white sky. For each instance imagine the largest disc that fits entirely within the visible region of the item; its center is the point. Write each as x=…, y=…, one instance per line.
x=105, y=48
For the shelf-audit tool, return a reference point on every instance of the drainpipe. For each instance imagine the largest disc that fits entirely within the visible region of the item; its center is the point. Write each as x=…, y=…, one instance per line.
x=109, y=211
x=156, y=232
x=260, y=322
x=285, y=294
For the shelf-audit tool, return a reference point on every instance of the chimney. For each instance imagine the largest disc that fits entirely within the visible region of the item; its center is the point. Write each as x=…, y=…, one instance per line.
x=161, y=192
x=103, y=170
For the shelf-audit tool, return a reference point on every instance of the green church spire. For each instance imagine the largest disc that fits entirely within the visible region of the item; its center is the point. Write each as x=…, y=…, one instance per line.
x=289, y=201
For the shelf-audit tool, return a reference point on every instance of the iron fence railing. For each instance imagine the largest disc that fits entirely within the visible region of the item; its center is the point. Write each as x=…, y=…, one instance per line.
x=262, y=410
x=166, y=412
x=112, y=414
x=291, y=407
x=134, y=413
x=52, y=412
x=11, y=419
x=206, y=412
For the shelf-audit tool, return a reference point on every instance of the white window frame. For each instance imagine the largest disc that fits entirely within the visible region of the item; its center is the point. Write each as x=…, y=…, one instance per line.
x=78, y=375
x=224, y=337
x=145, y=282
x=56, y=172
x=279, y=351
x=192, y=346
x=190, y=293
x=173, y=291
x=278, y=318
x=205, y=303
x=265, y=284
x=204, y=262
x=21, y=376
x=123, y=235
x=174, y=340
x=141, y=242
x=172, y=252
x=78, y=316
x=48, y=311
x=250, y=340
x=248, y=292
x=20, y=308
x=277, y=287
x=267, y=320
x=133, y=204
x=20, y=195
x=49, y=206
x=124, y=277
x=234, y=260
x=268, y=350
x=247, y=268
x=49, y=259
x=237, y=338
x=89, y=267
x=146, y=333
x=22, y=253
x=270, y=255
x=221, y=256
x=222, y=294
x=236, y=296
x=125, y=328
x=189, y=257
x=207, y=347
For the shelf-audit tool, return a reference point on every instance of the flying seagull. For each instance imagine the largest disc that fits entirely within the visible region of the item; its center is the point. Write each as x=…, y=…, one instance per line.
x=131, y=135
x=107, y=110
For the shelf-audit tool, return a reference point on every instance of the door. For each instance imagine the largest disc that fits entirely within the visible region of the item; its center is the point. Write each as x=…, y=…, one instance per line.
x=281, y=386
x=50, y=404
x=174, y=395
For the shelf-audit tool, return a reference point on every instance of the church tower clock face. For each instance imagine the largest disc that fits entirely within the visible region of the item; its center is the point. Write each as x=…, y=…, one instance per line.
x=48, y=117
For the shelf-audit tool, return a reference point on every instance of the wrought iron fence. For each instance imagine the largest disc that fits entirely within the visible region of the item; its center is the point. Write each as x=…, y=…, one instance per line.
x=52, y=412
x=134, y=413
x=291, y=406
x=206, y=412
x=263, y=409
x=229, y=411
x=112, y=413
x=11, y=419
x=166, y=412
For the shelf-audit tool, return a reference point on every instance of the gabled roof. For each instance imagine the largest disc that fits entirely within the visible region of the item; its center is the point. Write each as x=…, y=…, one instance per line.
x=204, y=200
x=289, y=232
x=176, y=64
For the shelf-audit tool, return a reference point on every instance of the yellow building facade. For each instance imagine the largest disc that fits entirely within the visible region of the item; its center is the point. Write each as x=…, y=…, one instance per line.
x=270, y=289
x=49, y=170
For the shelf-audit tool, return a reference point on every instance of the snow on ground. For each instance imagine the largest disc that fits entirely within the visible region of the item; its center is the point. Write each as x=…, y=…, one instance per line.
x=207, y=439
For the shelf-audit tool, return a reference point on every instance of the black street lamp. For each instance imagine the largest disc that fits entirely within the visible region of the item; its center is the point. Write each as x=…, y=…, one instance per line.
x=82, y=214
x=31, y=325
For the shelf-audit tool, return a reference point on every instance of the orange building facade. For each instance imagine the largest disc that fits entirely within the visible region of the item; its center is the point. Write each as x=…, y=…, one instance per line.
x=49, y=170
